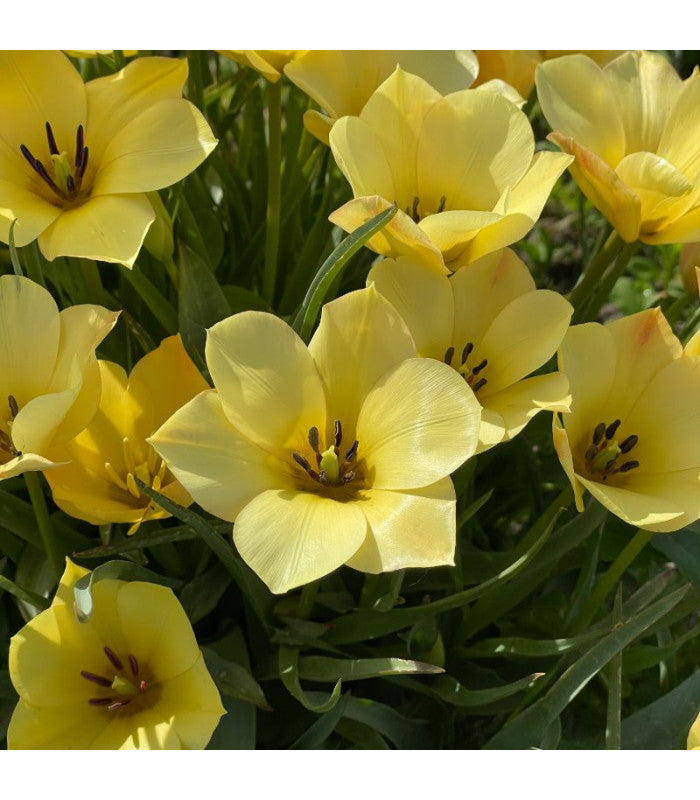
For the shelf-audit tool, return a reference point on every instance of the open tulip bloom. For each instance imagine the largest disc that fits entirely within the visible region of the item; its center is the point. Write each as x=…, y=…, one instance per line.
x=49, y=379
x=76, y=159
x=491, y=324
x=634, y=128
x=336, y=454
x=129, y=677
x=97, y=482
x=462, y=170
x=633, y=435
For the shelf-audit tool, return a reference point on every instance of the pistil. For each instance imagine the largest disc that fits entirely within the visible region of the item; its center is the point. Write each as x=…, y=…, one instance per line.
x=332, y=471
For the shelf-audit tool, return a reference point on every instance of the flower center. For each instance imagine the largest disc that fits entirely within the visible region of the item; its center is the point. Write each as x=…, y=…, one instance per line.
x=63, y=178
x=471, y=374
x=7, y=449
x=603, y=457
x=151, y=471
x=332, y=470
x=125, y=686
x=416, y=215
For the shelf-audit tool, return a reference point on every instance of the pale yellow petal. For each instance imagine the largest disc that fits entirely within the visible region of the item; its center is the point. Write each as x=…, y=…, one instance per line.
x=161, y=146
x=417, y=425
x=679, y=141
x=408, y=529
x=110, y=228
x=492, y=430
x=32, y=212
x=142, y=731
x=578, y=102
x=40, y=728
x=27, y=462
x=453, y=232
x=291, y=538
x=220, y=469
x=360, y=156
x=35, y=428
x=681, y=488
x=422, y=297
x=685, y=228
x=563, y=450
x=523, y=337
x=269, y=386
x=319, y=125
x=516, y=67
x=360, y=338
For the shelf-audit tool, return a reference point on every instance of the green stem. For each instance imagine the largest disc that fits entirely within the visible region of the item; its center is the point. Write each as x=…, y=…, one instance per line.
x=157, y=304
x=690, y=327
x=608, y=281
x=307, y=599
x=274, y=190
x=677, y=307
x=612, y=576
x=595, y=270
x=43, y=521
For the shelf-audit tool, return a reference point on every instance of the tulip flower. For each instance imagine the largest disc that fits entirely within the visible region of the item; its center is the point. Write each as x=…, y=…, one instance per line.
x=336, y=454
x=78, y=159
x=633, y=435
x=491, y=325
x=269, y=63
x=634, y=129
x=688, y=264
x=462, y=170
x=49, y=380
x=694, y=735
x=131, y=677
x=342, y=81
x=98, y=484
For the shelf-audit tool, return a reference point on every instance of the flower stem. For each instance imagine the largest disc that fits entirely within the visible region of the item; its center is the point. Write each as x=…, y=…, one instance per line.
x=613, y=574
x=595, y=270
x=274, y=189
x=613, y=726
x=608, y=281
x=43, y=521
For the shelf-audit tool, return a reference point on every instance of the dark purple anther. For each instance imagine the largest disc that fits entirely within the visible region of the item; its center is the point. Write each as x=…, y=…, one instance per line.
x=98, y=679
x=477, y=369
x=134, y=664
x=85, y=161
x=27, y=154
x=338, y=433
x=468, y=347
x=114, y=658
x=53, y=147
x=479, y=384
x=449, y=353
x=100, y=701
x=612, y=429
x=352, y=452
x=117, y=705
x=79, y=145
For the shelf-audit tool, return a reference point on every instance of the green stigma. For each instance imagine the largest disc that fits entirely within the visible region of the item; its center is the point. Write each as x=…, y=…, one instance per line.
x=330, y=465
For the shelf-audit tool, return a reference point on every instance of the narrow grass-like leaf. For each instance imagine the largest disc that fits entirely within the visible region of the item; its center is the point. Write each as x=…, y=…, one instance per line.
x=22, y=594
x=140, y=541
x=451, y=691
x=234, y=680
x=323, y=727
x=288, y=665
x=331, y=268
x=321, y=668
x=403, y=732
x=14, y=256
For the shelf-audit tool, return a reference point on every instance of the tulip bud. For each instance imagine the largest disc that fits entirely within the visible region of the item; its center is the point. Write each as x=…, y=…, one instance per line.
x=159, y=239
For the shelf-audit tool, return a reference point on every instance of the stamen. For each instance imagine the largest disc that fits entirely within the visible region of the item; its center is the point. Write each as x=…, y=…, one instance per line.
x=338, y=433
x=628, y=465
x=132, y=486
x=114, y=658
x=610, y=464
x=79, y=145
x=612, y=429
x=468, y=347
x=591, y=453
x=479, y=384
x=114, y=476
x=100, y=701
x=323, y=477
x=70, y=183
x=27, y=154
x=477, y=369
x=629, y=443
x=441, y=207
x=98, y=679
x=352, y=452
x=301, y=461
x=86, y=152
x=313, y=439
x=41, y=169
x=142, y=687
x=53, y=147
x=118, y=704
x=598, y=432
x=449, y=353
x=414, y=210
x=134, y=664
x=12, y=403
x=348, y=476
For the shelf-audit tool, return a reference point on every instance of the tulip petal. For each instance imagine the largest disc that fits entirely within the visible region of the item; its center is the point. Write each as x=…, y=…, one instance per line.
x=682, y=488
x=685, y=228
x=32, y=212
x=412, y=287
x=453, y=231
x=408, y=529
x=35, y=427
x=39, y=728
x=142, y=731
x=27, y=462
x=360, y=338
x=400, y=236
x=679, y=141
x=472, y=146
x=116, y=100
x=269, y=387
x=492, y=429
x=110, y=228
x=523, y=337
x=319, y=125
x=360, y=156
x=159, y=147
x=518, y=404
x=417, y=425
x=578, y=102
x=291, y=538
x=220, y=469
x=646, y=511
x=563, y=449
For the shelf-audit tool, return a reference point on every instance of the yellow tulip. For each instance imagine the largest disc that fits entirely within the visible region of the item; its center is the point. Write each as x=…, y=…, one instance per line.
x=49, y=380
x=633, y=435
x=634, y=128
x=95, y=53
x=98, y=485
x=342, y=81
x=336, y=454
x=462, y=170
x=77, y=159
x=269, y=63
x=131, y=677
x=492, y=325
x=689, y=264
x=694, y=735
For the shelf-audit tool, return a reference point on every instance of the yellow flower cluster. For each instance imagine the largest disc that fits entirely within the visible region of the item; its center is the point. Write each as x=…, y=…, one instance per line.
x=339, y=452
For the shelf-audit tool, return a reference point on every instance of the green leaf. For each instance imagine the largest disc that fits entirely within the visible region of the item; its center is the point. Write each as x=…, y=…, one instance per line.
x=683, y=548
x=112, y=570
x=161, y=308
x=321, y=668
x=331, y=268
x=139, y=541
x=288, y=664
x=235, y=681
x=14, y=257
x=526, y=648
x=529, y=728
x=202, y=301
x=201, y=595
x=664, y=724
x=404, y=733
x=22, y=594
x=314, y=736
x=451, y=691
x=241, y=299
